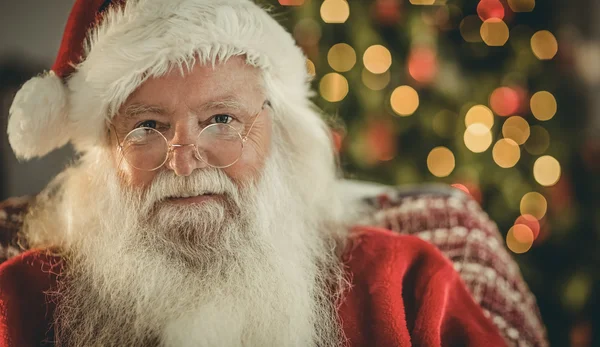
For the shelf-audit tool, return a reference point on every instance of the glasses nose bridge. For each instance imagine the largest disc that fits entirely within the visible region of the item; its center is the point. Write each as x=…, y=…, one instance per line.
x=174, y=146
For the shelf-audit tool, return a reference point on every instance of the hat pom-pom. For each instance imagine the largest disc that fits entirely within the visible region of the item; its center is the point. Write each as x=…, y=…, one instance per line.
x=38, y=121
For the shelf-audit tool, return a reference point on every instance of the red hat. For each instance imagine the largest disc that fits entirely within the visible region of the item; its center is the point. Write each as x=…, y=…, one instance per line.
x=110, y=47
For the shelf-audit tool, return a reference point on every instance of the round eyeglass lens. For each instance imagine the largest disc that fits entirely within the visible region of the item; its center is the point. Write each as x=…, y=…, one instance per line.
x=145, y=149
x=220, y=145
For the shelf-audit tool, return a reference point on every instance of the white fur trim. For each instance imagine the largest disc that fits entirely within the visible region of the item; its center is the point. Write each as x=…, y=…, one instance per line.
x=149, y=37
x=38, y=123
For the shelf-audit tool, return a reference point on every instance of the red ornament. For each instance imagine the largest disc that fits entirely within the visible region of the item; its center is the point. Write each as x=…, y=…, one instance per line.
x=387, y=12
x=381, y=141
x=505, y=101
x=490, y=9
x=291, y=2
x=423, y=64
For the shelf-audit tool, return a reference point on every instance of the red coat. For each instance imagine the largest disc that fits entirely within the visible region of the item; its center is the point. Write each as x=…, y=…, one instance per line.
x=404, y=293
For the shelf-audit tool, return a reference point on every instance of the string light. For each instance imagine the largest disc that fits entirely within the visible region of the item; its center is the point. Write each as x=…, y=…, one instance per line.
x=546, y=170
x=477, y=137
x=505, y=101
x=335, y=11
x=517, y=129
x=519, y=238
x=480, y=114
x=534, y=204
x=544, y=45
x=506, y=153
x=404, y=100
x=341, y=57
x=422, y=2
x=470, y=28
x=333, y=87
x=440, y=162
x=494, y=32
x=377, y=59
x=531, y=222
x=310, y=67
x=543, y=105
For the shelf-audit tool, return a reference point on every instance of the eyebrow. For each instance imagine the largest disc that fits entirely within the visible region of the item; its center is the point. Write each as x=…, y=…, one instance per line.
x=229, y=102
x=133, y=110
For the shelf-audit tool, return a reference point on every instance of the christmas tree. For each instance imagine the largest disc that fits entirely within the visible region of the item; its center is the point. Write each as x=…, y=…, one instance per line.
x=470, y=93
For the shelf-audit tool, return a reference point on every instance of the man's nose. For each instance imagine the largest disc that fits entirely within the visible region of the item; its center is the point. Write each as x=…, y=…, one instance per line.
x=183, y=159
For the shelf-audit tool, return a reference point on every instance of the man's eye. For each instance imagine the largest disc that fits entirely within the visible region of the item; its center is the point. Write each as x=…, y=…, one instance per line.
x=222, y=118
x=147, y=124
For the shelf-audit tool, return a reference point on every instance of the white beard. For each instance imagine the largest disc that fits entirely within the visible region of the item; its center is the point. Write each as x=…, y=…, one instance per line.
x=258, y=270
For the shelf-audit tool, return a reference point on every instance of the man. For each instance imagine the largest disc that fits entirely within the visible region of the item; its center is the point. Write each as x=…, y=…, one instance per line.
x=203, y=210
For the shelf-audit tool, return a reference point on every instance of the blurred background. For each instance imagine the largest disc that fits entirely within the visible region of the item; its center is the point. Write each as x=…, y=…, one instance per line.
x=499, y=98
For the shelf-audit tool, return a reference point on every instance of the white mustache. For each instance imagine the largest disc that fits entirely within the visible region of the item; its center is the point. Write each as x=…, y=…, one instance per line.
x=201, y=182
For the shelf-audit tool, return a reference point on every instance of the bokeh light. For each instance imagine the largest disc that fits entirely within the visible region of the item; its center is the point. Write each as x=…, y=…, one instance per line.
x=544, y=45
x=534, y=204
x=341, y=57
x=335, y=11
x=487, y=9
x=538, y=141
x=470, y=28
x=543, y=105
x=519, y=238
x=477, y=137
x=441, y=162
x=375, y=81
x=333, y=87
x=517, y=129
x=291, y=2
x=422, y=2
x=531, y=222
x=310, y=67
x=480, y=114
x=521, y=5
x=505, y=101
x=422, y=64
x=377, y=59
x=307, y=32
x=494, y=32
x=546, y=170
x=404, y=100
x=461, y=187
x=506, y=153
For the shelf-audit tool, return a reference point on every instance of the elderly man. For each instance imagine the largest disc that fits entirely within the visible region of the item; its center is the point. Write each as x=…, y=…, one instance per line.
x=203, y=209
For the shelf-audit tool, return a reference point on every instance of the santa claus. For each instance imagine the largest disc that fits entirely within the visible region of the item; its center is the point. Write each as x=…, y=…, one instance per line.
x=203, y=209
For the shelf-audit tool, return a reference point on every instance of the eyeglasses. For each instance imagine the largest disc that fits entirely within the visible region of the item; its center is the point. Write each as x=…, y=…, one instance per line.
x=219, y=145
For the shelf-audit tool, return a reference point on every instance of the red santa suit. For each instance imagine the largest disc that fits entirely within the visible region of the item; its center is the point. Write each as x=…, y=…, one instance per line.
x=403, y=293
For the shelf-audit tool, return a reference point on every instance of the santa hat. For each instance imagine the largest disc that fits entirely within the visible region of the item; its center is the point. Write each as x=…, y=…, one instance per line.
x=110, y=47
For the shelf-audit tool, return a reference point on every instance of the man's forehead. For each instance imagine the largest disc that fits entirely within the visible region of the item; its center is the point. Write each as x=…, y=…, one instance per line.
x=229, y=102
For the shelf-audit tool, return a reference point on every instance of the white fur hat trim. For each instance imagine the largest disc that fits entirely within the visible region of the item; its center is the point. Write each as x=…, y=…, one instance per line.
x=38, y=122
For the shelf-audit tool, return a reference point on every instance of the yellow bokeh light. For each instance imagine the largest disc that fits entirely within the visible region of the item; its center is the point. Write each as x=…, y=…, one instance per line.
x=470, y=28
x=404, y=100
x=521, y=5
x=375, y=81
x=544, y=45
x=494, y=32
x=335, y=11
x=519, y=238
x=422, y=2
x=333, y=87
x=310, y=67
x=478, y=138
x=517, y=129
x=440, y=161
x=341, y=57
x=506, y=153
x=480, y=114
x=543, y=105
x=534, y=204
x=538, y=141
x=546, y=170
x=377, y=59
